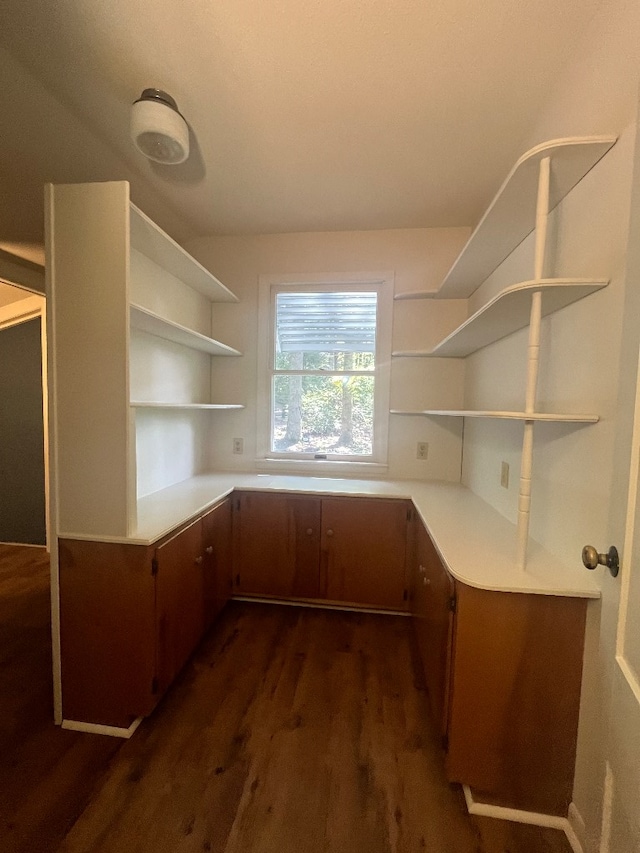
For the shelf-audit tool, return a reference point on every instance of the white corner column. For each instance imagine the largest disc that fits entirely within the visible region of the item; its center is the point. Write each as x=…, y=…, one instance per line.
x=533, y=361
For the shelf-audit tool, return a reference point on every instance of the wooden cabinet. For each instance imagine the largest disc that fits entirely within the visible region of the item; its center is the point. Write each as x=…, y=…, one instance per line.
x=131, y=326
x=277, y=545
x=503, y=673
x=348, y=550
x=131, y=615
x=216, y=541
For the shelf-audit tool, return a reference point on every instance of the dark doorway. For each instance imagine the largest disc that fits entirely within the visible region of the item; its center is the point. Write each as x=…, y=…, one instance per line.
x=22, y=478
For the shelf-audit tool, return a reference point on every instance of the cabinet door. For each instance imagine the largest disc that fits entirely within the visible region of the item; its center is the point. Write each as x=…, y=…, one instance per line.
x=277, y=545
x=364, y=545
x=515, y=696
x=107, y=631
x=434, y=625
x=179, y=601
x=216, y=541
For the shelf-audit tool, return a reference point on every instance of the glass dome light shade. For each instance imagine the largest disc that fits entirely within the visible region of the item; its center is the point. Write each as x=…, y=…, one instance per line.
x=157, y=128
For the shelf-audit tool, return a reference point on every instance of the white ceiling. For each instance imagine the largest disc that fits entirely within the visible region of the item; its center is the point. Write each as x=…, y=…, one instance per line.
x=305, y=114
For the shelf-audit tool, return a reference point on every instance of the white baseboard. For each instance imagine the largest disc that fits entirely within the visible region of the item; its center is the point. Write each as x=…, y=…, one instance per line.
x=521, y=816
x=99, y=729
x=577, y=829
x=318, y=605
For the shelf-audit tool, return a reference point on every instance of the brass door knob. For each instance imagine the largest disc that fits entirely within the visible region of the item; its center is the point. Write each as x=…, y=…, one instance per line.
x=591, y=559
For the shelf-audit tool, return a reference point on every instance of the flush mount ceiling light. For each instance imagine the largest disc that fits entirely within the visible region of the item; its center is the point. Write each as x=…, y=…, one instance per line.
x=157, y=128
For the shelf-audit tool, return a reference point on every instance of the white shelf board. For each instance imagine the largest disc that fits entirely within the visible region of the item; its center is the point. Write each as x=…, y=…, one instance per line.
x=511, y=215
x=136, y=404
x=153, y=324
x=510, y=310
x=416, y=294
x=412, y=353
x=163, y=250
x=511, y=416
x=506, y=313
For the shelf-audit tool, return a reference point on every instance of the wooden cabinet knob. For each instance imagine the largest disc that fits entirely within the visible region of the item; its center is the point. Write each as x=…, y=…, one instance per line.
x=309, y=531
x=329, y=532
x=209, y=549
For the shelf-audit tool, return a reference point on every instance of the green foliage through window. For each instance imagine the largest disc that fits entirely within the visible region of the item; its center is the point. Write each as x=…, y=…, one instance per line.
x=323, y=400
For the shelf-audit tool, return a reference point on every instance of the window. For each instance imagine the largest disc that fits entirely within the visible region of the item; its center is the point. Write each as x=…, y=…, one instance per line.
x=326, y=354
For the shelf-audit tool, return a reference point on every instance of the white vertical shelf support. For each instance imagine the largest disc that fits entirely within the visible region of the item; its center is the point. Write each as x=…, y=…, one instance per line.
x=533, y=362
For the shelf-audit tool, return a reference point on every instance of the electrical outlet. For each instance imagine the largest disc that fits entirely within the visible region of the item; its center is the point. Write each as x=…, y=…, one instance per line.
x=504, y=475
x=238, y=445
x=422, y=450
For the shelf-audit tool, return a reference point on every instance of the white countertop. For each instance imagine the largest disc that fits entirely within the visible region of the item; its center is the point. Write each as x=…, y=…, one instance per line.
x=475, y=542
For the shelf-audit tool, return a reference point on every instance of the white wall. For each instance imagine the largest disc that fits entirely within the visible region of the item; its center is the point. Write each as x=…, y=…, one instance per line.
x=576, y=499
x=419, y=259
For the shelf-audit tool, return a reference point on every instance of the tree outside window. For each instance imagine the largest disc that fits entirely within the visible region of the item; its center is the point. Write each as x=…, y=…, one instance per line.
x=323, y=380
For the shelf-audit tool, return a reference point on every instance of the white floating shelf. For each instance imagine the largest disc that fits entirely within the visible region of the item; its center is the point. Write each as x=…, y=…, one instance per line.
x=156, y=245
x=506, y=313
x=412, y=353
x=206, y=406
x=510, y=416
x=147, y=321
x=511, y=215
x=416, y=294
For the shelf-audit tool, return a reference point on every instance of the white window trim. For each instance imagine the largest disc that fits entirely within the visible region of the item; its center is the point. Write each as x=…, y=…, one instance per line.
x=383, y=283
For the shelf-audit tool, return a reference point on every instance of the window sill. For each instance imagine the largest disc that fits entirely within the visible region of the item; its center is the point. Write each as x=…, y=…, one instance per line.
x=321, y=466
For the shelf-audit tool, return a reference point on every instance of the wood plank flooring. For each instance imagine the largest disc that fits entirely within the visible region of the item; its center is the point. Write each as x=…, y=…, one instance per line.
x=291, y=730
x=47, y=774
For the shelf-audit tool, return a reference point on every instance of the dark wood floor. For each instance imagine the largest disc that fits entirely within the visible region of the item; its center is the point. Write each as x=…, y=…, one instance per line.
x=292, y=730
x=47, y=775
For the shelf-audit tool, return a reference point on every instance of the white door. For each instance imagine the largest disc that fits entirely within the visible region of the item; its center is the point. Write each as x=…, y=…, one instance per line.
x=620, y=638
x=621, y=807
